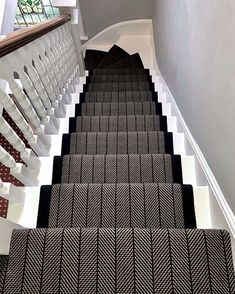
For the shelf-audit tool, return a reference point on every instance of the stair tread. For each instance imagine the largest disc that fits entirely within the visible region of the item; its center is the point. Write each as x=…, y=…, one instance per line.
x=118, y=168
x=118, y=96
x=121, y=260
x=122, y=86
x=118, y=123
x=121, y=71
x=117, y=205
x=118, y=108
x=117, y=143
x=119, y=78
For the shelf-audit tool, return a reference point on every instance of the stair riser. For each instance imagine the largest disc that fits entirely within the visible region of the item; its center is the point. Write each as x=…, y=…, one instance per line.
x=108, y=97
x=119, y=79
x=107, y=87
x=101, y=72
x=117, y=143
x=144, y=168
x=117, y=124
x=116, y=205
x=118, y=108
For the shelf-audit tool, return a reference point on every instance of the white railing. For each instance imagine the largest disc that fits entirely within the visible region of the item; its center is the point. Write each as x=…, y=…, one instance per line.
x=46, y=59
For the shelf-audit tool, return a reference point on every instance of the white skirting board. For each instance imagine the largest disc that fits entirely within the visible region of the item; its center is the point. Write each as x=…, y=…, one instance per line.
x=212, y=209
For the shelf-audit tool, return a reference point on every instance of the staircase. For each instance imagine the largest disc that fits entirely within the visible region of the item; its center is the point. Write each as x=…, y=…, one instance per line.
x=117, y=217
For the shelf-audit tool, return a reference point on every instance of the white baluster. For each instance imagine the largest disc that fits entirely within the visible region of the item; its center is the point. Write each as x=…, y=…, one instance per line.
x=68, y=31
x=21, y=98
x=73, y=58
x=35, y=78
x=29, y=87
x=40, y=144
x=70, y=61
x=78, y=49
x=64, y=49
x=18, y=170
x=61, y=48
x=42, y=85
x=47, y=59
x=55, y=47
x=61, y=56
x=47, y=76
x=57, y=53
x=16, y=61
x=63, y=38
x=33, y=96
x=27, y=155
x=42, y=74
x=52, y=68
x=51, y=54
x=63, y=41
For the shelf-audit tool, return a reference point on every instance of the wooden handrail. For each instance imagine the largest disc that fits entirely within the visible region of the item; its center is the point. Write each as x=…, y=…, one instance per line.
x=17, y=39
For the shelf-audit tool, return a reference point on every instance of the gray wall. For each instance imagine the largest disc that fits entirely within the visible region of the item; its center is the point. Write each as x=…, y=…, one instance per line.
x=195, y=49
x=99, y=14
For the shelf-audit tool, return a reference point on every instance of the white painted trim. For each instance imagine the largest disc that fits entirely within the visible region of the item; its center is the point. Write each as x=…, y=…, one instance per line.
x=212, y=183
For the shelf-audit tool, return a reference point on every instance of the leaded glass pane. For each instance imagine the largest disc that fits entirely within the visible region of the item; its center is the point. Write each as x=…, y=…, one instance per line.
x=46, y=2
x=49, y=10
x=56, y=11
x=30, y=12
x=30, y=6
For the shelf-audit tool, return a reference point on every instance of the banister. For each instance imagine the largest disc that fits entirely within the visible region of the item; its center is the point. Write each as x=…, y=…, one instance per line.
x=18, y=39
x=45, y=60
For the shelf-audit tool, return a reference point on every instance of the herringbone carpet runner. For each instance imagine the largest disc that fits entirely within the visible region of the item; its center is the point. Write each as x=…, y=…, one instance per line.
x=117, y=217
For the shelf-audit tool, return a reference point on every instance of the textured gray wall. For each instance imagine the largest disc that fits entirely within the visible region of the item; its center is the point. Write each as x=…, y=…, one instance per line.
x=195, y=49
x=100, y=14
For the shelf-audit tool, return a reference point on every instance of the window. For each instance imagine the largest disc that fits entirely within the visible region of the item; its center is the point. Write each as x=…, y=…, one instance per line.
x=30, y=12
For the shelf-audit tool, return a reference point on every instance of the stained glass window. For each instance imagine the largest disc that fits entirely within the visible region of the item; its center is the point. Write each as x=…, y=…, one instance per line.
x=30, y=12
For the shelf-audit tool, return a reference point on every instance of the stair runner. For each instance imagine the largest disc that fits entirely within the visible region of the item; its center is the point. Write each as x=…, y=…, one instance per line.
x=117, y=217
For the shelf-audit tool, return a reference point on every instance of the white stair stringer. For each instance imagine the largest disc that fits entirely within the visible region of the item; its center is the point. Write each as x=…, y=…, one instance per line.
x=211, y=208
